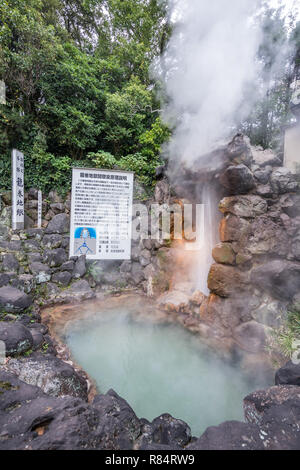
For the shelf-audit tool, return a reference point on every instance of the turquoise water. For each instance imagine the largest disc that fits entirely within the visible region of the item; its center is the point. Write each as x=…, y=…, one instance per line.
x=158, y=369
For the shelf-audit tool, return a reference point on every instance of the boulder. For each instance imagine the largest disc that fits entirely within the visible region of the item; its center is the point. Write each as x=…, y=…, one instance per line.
x=79, y=267
x=13, y=300
x=37, y=338
x=239, y=151
x=266, y=237
x=79, y=290
x=24, y=282
x=9, y=263
x=36, y=233
x=225, y=280
x=264, y=190
x=165, y=431
x=137, y=275
x=277, y=412
x=5, y=278
x=283, y=181
x=34, y=257
x=231, y=435
x=259, y=402
x=55, y=257
x=233, y=228
x=223, y=253
x=60, y=223
x=145, y=257
x=68, y=266
x=17, y=338
x=162, y=192
x=54, y=197
x=118, y=425
x=31, y=245
x=290, y=204
x=289, y=374
x=263, y=175
x=62, y=278
x=280, y=277
x=33, y=193
x=244, y=206
x=52, y=241
x=57, y=207
x=41, y=271
x=238, y=179
x=264, y=158
x=54, y=376
x=174, y=301
x=251, y=336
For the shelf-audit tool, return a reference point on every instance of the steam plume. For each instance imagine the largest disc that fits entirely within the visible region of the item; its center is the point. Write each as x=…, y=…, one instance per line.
x=210, y=60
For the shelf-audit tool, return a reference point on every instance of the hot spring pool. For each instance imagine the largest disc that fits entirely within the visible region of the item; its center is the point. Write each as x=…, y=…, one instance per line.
x=158, y=368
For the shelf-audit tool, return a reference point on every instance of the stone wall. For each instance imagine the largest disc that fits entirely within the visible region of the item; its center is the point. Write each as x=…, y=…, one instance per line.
x=35, y=264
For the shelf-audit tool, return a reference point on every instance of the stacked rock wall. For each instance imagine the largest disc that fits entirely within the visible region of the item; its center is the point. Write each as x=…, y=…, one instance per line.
x=256, y=274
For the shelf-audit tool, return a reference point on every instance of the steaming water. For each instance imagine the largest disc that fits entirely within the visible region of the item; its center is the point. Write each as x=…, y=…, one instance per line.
x=211, y=219
x=158, y=369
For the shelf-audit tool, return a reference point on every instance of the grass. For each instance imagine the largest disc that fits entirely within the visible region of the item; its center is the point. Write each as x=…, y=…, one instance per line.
x=285, y=340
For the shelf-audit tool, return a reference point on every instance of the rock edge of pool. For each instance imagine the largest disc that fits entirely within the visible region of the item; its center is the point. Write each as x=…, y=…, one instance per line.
x=59, y=407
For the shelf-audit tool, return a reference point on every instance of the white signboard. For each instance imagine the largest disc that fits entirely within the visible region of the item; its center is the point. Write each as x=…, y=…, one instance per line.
x=17, y=166
x=40, y=202
x=101, y=213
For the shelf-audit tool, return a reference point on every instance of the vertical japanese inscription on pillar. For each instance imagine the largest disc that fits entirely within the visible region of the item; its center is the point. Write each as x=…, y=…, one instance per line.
x=101, y=213
x=17, y=165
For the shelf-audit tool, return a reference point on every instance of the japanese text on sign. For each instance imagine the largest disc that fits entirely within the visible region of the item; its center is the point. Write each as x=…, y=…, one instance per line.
x=101, y=214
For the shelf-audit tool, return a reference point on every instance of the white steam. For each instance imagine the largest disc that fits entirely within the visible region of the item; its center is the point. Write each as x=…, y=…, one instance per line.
x=208, y=64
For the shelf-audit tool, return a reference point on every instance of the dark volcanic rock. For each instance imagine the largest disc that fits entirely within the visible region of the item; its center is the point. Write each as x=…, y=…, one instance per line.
x=231, y=435
x=239, y=151
x=165, y=430
x=277, y=412
x=5, y=278
x=251, y=336
x=13, y=300
x=54, y=376
x=52, y=241
x=283, y=181
x=247, y=206
x=79, y=290
x=41, y=271
x=238, y=179
x=68, y=266
x=281, y=278
x=257, y=403
x=233, y=228
x=24, y=282
x=288, y=374
x=118, y=426
x=62, y=278
x=10, y=263
x=59, y=224
x=55, y=257
x=17, y=337
x=80, y=267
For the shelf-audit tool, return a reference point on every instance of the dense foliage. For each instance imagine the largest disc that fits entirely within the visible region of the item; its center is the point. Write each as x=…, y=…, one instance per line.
x=78, y=90
x=279, y=59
